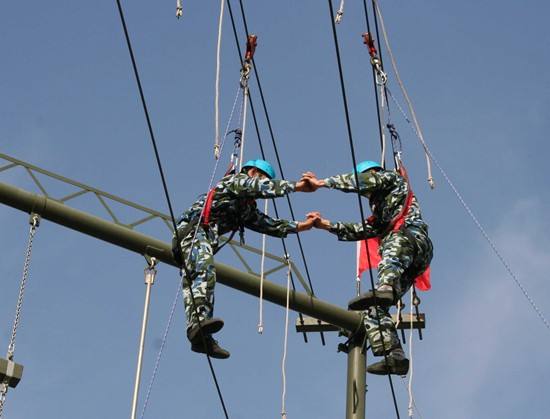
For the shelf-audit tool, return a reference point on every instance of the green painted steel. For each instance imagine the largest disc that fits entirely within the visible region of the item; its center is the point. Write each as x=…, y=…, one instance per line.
x=119, y=235
x=357, y=380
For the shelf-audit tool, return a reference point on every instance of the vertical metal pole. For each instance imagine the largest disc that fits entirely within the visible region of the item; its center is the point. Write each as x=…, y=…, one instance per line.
x=150, y=273
x=357, y=377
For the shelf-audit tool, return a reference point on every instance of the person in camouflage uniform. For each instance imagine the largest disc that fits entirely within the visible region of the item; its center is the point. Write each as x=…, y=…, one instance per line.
x=231, y=207
x=405, y=252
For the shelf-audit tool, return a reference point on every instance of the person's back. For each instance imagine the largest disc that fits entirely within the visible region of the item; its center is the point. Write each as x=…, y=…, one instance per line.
x=229, y=207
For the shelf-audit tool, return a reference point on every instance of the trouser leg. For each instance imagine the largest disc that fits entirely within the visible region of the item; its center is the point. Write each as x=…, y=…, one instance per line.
x=398, y=252
x=200, y=264
x=383, y=337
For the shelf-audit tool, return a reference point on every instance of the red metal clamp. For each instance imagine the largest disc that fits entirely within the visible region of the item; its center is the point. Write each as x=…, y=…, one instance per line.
x=251, y=43
x=368, y=40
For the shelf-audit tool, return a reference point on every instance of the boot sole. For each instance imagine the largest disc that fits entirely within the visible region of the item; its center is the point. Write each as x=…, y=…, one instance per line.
x=369, y=301
x=208, y=328
x=390, y=369
x=199, y=348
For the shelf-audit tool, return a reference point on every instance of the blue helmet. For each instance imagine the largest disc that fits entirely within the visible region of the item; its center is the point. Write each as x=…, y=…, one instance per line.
x=367, y=165
x=260, y=165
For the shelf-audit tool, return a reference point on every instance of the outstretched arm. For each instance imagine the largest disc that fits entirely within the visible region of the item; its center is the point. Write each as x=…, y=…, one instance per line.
x=244, y=186
x=344, y=231
x=368, y=182
x=263, y=223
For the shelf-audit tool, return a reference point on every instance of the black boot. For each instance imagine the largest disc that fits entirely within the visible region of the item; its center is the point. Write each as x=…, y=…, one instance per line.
x=212, y=348
x=396, y=366
x=209, y=326
x=364, y=301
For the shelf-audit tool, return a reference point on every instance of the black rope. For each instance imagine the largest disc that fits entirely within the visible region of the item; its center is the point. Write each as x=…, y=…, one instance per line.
x=165, y=187
x=239, y=53
x=273, y=142
x=308, y=276
x=352, y=148
x=379, y=116
x=377, y=38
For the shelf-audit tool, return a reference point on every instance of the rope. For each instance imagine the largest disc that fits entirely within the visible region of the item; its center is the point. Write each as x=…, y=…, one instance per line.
x=34, y=222
x=179, y=288
x=404, y=91
x=283, y=363
x=243, y=127
x=275, y=148
x=376, y=69
x=480, y=227
x=165, y=187
x=217, y=94
x=411, y=369
x=252, y=109
x=352, y=149
x=339, y=13
x=262, y=262
x=488, y=239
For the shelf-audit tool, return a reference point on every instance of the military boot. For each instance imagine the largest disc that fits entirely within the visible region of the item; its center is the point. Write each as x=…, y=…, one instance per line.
x=385, y=297
x=209, y=346
x=209, y=326
x=397, y=364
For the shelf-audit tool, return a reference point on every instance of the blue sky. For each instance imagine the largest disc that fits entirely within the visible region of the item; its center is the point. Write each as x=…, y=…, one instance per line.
x=477, y=73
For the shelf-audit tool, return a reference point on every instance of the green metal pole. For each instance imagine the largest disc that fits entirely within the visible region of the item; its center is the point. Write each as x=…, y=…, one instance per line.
x=60, y=213
x=357, y=377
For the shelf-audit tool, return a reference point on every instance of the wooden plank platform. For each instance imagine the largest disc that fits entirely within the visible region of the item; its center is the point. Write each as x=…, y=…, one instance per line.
x=311, y=324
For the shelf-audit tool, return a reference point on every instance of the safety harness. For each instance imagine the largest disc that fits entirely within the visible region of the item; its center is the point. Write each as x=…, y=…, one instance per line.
x=422, y=281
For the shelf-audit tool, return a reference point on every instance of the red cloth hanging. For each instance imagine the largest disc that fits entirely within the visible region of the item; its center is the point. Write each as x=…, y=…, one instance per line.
x=368, y=260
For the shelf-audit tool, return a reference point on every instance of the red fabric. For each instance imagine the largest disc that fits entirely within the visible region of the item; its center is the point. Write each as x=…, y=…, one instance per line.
x=364, y=262
x=208, y=207
x=422, y=281
x=374, y=258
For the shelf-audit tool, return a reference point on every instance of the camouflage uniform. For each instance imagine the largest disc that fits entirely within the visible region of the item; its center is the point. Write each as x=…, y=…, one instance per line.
x=405, y=253
x=233, y=208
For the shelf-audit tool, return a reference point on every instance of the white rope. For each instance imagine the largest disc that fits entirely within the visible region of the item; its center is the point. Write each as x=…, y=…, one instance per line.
x=480, y=227
x=431, y=157
x=402, y=381
x=217, y=95
x=339, y=13
x=245, y=108
x=283, y=363
x=382, y=106
x=404, y=91
x=262, y=274
x=411, y=399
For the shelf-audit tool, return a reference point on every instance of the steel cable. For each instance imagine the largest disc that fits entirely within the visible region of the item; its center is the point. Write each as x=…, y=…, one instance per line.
x=354, y=160
x=262, y=151
x=165, y=188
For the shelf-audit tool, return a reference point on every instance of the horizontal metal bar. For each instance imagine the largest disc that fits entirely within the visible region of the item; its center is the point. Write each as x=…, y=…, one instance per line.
x=311, y=324
x=122, y=236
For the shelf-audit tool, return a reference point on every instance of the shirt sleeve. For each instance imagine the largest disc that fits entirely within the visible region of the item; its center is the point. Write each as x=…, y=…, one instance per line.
x=244, y=186
x=352, y=231
x=368, y=182
x=263, y=223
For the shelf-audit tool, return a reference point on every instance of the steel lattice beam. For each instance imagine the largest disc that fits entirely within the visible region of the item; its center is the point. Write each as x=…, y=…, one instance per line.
x=120, y=235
